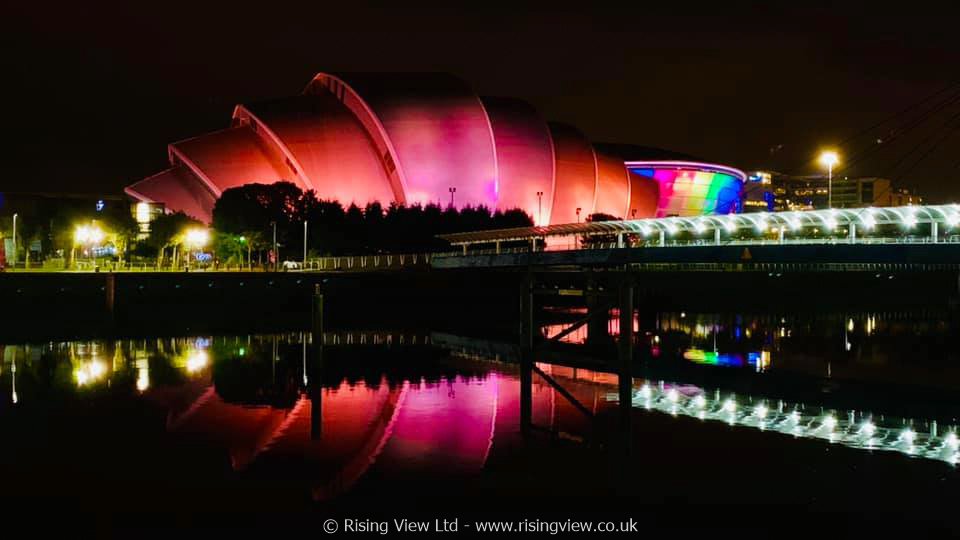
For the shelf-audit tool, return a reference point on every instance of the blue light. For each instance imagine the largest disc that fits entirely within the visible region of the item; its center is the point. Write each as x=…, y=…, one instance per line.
x=100, y=205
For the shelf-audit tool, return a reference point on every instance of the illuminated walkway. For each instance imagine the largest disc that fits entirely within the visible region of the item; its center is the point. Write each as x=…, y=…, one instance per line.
x=893, y=225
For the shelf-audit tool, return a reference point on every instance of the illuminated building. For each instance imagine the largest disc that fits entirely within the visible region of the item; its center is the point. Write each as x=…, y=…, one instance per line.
x=811, y=192
x=414, y=139
x=691, y=189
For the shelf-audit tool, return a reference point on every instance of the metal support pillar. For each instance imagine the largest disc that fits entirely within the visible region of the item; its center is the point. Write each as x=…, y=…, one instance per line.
x=598, y=310
x=498, y=247
x=619, y=240
x=464, y=249
x=663, y=238
x=526, y=354
x=625, y=368
x=110, y=295
x=780, y=232
x=934, y=231
x=716, y=236
x=315, y=387
x=853, y=233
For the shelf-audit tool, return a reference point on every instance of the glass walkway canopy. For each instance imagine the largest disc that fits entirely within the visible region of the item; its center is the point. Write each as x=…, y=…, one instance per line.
x=942, y=219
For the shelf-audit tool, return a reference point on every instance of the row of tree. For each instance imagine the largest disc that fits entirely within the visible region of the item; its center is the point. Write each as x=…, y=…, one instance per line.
x=244, y=219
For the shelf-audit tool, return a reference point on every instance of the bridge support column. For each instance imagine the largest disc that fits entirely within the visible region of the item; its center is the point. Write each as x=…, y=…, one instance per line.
x=464, y=249
x=663, y=238
x=625, y=369
x=526, y=354
x=315, y=382
x=780, y=233
x=716, y=236
x=853, y=233
x=619, y=240
x=110, y=296
x=498, y=247
x=934, y=231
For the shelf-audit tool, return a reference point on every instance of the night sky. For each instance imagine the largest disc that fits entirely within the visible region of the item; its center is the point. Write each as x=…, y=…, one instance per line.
x=96, y=93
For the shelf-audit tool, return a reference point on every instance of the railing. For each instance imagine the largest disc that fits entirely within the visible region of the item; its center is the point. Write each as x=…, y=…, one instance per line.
x=704, y=242
x=346, y=263
x=360, y=263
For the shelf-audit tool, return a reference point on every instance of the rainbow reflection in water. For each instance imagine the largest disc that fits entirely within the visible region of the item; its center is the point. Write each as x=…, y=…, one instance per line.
x=760, y=360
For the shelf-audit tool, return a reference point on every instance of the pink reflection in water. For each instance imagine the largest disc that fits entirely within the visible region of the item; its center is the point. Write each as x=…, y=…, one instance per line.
x=448, y=427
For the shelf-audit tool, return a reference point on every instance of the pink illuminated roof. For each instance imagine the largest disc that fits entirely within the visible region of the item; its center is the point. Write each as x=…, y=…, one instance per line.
x=231, y=158
x=337, y=156
x=179, y=190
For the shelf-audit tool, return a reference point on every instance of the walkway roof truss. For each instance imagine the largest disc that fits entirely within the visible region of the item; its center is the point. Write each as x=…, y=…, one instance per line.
x=865, y=219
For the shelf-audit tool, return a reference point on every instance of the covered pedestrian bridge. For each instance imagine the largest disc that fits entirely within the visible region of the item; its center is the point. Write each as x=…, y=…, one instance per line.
x=917, y=224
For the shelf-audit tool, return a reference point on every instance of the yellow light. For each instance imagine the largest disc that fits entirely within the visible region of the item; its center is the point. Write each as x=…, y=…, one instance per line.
x=90, y=372
x=197, y=361
x=196, y=238
x=143, y=381
x=829, y=158
x=143, y=212
x=88, y=234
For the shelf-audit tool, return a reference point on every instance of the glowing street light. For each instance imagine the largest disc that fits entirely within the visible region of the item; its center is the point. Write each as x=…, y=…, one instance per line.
x=828, y=159
x=196, y=238
x=88, y=235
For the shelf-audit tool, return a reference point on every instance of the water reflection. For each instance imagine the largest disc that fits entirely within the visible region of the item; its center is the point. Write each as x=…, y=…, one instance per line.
x=855, y=429
x=334, y=418
x=274, y=405
x=916, y=347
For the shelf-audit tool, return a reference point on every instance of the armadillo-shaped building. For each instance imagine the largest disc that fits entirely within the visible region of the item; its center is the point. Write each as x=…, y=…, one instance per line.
x=414, y=138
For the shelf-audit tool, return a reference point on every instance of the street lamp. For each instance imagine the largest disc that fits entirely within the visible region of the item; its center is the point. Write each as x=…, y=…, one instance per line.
x=196, y=239
x=828, y=159
x=243, y=240
x=15, y=241
x=276, y=256
x=88, y=236
x=539, y=214
x=452, y=191
x=578, y=215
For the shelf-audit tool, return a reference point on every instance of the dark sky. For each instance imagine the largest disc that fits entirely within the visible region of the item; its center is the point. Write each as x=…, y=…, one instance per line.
x=96, y=93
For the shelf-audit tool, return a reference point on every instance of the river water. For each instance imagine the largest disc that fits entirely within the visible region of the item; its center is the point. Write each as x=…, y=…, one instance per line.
x=813, y=409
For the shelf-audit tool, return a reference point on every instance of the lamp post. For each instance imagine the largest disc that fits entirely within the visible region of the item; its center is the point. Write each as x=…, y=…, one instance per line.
x=195, y=239
x=243, y=239
x=14, y=241
x=304, y=243
x=452, y=190
x=578, y=215
x=828, y=159
x=276, y=256
x=539, y=207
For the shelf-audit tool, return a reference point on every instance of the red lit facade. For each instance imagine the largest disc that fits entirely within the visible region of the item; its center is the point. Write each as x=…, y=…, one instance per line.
x=405, y=138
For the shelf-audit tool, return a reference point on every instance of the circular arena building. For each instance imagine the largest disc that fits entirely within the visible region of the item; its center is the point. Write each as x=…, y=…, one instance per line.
x=415, y=138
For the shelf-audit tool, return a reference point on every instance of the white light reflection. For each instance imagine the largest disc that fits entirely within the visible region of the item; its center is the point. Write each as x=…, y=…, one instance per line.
x=853, y=429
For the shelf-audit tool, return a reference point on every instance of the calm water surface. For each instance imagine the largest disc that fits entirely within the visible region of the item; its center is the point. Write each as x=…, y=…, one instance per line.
x=278, y=419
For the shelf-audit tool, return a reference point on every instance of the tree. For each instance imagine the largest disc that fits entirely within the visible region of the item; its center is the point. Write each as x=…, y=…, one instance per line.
x=252, y=210
x=167, y=231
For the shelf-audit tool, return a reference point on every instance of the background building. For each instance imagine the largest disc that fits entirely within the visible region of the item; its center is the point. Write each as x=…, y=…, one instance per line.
x=774, y=191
